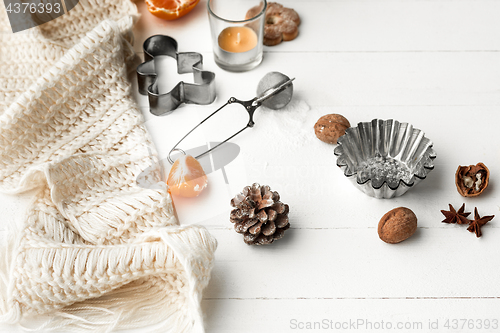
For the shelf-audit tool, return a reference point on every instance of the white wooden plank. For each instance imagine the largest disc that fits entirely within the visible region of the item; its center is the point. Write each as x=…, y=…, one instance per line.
x=356, y=25
x=306, y=176
x=390, y=78
x=346, y=263
x=303, y=169
x=276, y=316
x=369, y=79
x=363, y=315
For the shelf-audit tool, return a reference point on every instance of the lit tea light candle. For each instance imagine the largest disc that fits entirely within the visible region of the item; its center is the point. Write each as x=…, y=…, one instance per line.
x=237, y=39
x=238, y=45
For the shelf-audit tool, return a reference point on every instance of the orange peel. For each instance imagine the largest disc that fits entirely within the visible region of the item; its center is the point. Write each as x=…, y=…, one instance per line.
x=170, y=9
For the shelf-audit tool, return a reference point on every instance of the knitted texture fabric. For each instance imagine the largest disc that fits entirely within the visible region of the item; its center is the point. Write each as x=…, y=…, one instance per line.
x=100, y=248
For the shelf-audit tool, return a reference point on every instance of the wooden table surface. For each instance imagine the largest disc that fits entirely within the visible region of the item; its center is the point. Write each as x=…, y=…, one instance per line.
x=432, y=63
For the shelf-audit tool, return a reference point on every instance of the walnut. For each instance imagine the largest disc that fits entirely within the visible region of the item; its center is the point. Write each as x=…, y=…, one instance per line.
x=397, y=225
x=331, y=127
x=472, y=180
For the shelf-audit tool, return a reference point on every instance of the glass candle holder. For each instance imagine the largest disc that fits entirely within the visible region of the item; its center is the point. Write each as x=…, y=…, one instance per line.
x=237, y=39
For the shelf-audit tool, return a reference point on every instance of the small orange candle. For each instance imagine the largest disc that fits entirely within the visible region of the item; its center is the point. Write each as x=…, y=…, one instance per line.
x=237, y=39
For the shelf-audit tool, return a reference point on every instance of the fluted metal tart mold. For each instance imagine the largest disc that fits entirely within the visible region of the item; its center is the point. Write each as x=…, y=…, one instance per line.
x=385, y=158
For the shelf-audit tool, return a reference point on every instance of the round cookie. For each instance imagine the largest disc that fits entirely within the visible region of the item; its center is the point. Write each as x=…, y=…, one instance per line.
x=281, y=23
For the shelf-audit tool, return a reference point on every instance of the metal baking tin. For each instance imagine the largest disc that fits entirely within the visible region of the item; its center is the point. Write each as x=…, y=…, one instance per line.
x=385, y=158
x=201, y=92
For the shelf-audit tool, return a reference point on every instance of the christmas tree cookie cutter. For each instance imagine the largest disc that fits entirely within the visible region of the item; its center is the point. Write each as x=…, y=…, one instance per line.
x=201, y=92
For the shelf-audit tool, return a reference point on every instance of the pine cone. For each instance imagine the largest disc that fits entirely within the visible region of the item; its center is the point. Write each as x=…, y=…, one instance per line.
x=259, y=215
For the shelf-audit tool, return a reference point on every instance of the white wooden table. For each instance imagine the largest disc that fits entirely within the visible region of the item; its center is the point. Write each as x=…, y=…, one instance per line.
x=434, y=64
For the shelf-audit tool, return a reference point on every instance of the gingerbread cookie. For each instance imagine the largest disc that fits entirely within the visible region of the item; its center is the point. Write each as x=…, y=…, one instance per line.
x=282, y=24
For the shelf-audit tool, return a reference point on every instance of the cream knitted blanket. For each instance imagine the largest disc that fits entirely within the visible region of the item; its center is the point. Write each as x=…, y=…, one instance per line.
x=100, y=248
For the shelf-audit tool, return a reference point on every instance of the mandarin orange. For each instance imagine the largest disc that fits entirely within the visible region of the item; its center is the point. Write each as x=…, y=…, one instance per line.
x=170, y=9
x=186, y=177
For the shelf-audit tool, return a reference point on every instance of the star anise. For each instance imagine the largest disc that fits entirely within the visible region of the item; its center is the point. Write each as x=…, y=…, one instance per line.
x=478, y=222
x=453, y=216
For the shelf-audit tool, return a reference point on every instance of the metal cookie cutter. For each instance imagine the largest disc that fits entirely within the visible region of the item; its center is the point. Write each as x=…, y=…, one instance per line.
x=201, y=92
